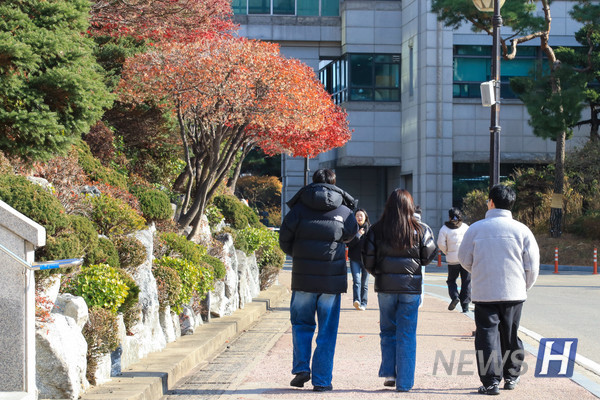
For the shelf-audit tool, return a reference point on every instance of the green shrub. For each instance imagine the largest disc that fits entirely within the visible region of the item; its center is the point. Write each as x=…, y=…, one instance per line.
x=100, y=285
x=587, y=225
x=130, y=307
x=194, y=278
x=475, y=206
x=236, y=213
x=34, y=202
x=104, y=253
x=214, y=215
x=168, y=285
x=178, y=245
x=265, y=244
x=113, y=216
x=85, y=231
x=96, y=171
x=61, y=246
x=155, y=204
x=131, y=251
x=101, y=333
x=219, y=269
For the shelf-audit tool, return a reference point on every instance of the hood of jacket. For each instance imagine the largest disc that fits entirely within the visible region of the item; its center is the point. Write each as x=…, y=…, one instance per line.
x=453, y=224
x=322, y=197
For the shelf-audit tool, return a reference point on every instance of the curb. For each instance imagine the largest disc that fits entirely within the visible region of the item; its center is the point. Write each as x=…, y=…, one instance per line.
x=152, y=377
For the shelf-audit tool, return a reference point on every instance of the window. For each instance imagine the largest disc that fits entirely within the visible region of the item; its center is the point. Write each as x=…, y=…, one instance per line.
x=363, y=77
x=287, y=7
x=472, y=65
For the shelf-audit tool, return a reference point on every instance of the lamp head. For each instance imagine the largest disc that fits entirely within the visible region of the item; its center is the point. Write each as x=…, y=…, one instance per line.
x=486, y=5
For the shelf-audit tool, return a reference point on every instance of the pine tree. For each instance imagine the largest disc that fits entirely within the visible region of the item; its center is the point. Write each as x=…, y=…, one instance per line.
x=51, y=88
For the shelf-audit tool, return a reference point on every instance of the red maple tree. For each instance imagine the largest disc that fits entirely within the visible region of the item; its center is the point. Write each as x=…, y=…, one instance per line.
x=161, y=20
x=226, y=93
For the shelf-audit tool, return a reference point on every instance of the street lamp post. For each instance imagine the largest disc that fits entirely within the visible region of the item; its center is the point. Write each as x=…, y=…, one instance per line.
x=306, y=170
x=486, y=5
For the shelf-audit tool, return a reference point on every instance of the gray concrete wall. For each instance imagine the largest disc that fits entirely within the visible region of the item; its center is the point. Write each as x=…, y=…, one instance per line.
x=19, y=235
x=427, y=110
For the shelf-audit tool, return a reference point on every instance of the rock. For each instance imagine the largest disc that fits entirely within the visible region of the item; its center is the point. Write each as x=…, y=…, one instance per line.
x=61, y=362
x=187, y=321
x=41, y=182
x=72, y=306
x=51, y=287
x=166, y=323
x=103, y=369
x=224, y=297
x=245, y=295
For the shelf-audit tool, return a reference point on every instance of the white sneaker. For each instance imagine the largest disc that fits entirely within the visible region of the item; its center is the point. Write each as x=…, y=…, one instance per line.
x=357, y=304
x=362, y=308
x=389, y=381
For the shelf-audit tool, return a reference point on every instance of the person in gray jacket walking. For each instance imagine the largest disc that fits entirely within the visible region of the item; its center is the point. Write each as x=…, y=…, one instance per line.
x=504, y=260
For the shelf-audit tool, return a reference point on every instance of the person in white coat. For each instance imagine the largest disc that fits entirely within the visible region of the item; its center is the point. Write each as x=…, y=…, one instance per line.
x=449, y=240
x=504, y=260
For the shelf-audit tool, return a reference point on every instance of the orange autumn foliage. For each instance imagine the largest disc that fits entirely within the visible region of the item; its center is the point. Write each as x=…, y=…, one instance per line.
x=227, y=92
x=161, y=20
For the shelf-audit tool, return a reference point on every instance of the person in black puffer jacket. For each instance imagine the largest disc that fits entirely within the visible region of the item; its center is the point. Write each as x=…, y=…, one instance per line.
x=314, y=233
x=395, y=249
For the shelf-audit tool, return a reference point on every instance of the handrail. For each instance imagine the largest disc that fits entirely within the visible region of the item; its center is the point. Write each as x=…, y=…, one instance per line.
x=38, y=266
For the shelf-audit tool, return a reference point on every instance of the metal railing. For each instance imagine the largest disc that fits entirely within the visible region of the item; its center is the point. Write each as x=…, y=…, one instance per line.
x=39, y=266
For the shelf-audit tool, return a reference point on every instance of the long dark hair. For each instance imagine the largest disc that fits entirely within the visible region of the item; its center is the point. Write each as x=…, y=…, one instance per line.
x=398, y=223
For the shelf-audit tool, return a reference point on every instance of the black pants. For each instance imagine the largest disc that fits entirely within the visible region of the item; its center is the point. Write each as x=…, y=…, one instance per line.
x=499, y=351
x=465, y=285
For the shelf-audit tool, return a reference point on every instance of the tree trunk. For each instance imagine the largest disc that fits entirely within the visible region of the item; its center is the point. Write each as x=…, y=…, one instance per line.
x=556, y=211
x=238, y=168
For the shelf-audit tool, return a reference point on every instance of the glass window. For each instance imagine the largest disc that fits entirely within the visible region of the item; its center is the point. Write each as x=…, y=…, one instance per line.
x=239, y=7
x=330, y=8
x=284, y=7
x=308, y=7
x=363, y=77
x=287, y=7
x=472, y=65
x=259, y=7
x=361, y=70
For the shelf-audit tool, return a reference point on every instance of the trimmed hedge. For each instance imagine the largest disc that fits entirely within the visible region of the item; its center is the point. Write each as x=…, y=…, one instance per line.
x=236, y=213
x=155, y=204
x=34, y=202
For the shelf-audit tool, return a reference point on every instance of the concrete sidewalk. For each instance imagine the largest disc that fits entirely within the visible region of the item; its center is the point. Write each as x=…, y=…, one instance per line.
x=441, y=334
x=150, y=378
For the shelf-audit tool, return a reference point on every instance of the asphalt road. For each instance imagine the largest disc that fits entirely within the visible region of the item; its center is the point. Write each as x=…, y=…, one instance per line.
x=564, y=305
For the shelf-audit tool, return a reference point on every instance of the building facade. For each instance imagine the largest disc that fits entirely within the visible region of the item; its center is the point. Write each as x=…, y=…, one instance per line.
x=411, y=90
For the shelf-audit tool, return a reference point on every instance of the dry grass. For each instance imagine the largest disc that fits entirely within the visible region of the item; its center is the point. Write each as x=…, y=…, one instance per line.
x=572, y=250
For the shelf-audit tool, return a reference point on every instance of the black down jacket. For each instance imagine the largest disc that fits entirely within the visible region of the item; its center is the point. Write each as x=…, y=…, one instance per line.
x=314, y=233
x=397, y=270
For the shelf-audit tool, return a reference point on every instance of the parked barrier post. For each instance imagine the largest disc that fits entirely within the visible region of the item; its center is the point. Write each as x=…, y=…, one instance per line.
x=439, y=264
x=556, y=260
x=595, y=261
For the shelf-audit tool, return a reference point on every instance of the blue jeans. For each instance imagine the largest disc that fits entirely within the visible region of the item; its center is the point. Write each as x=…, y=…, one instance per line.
x=398, y=321
x=360, y=283
x=303, y=307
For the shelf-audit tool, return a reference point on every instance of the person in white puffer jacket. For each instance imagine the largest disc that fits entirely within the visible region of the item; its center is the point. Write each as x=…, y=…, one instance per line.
x=449, y=240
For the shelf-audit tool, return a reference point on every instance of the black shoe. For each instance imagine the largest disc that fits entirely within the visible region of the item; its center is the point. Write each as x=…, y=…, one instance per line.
x=322, y=388
x=510, y=383
x=491, y=390
x=300, y=379
x=452, y=304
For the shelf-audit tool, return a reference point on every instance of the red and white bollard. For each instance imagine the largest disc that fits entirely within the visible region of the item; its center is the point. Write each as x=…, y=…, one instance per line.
x=595, y=261
x=439, y=264
x=556, y=260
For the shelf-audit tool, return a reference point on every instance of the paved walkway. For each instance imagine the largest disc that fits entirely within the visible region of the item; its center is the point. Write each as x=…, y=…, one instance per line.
x=257, y=365
x=249, y=356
